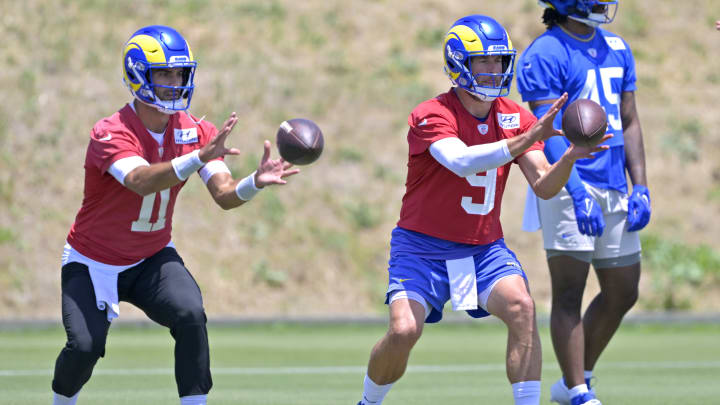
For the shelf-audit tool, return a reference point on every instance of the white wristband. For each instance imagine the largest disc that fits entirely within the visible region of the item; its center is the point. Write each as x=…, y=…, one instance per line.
x=187, y=164
x=246, y=188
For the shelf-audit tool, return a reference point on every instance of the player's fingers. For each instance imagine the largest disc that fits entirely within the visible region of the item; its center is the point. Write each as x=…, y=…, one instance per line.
x=557, y=105
x=557, y=132
x=290, y=172
x=266, y=151
x=606, y=137
x=581, y=226
x=232, y=151
x=229, y=123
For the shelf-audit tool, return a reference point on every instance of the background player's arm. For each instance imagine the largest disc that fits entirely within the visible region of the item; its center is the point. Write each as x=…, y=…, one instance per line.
x=632, y=132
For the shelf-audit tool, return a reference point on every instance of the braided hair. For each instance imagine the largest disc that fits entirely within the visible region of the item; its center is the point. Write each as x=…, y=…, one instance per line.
x=552, y=17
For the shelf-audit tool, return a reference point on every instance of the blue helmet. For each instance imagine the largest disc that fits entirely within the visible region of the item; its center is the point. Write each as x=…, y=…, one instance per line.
x=153, y=47
x=478, y=35
x=582, y=10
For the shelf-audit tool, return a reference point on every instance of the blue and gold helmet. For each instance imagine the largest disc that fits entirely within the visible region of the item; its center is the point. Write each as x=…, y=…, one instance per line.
x=478, y=35
x=590, y=12
x=153, y=47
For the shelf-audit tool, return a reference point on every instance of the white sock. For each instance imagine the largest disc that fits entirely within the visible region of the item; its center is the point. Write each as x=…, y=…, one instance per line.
x=577, y=390
x=193, y=400
x=526, y=392
x=63, y=400
x=374, y=394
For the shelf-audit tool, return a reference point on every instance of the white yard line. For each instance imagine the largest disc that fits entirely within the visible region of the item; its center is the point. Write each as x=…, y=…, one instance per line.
x=456, y=368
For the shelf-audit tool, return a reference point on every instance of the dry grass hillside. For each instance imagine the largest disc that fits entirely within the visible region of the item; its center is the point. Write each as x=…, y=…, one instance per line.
x=319, y=245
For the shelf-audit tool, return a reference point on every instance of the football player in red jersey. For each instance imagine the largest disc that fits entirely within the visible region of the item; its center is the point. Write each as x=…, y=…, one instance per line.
x=448, y=243
x=119, y=248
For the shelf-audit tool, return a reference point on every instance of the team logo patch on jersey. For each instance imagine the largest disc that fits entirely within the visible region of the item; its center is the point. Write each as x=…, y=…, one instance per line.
x=483, y=128
x=615, y=43
x=186, y=135
x=509, y=121
x=592, y=52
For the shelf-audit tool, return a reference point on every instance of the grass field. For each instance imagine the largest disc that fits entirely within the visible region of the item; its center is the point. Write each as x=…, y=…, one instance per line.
x=286, y=364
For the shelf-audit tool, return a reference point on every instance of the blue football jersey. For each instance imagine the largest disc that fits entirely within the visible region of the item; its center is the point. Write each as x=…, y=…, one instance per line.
x=599, y=67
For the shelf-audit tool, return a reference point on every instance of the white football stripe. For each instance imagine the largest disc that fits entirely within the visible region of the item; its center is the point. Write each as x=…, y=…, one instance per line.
x=286, y=126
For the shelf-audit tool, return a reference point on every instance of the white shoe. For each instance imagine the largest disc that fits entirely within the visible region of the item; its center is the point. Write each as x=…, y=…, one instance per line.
x=559, y=393
x=585, y=399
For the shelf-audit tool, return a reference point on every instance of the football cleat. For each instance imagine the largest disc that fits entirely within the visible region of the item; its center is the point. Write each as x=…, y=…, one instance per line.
x=585, y=399
x=588, y=381
x=559, y=393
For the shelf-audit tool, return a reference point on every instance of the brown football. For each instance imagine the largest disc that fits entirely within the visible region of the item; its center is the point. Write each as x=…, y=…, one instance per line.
x=584, y=122
x=300, y=141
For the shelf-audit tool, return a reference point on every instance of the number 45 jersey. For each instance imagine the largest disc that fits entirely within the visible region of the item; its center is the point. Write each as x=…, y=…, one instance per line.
x=438, y=202
x=115, y=225
x=599, y=67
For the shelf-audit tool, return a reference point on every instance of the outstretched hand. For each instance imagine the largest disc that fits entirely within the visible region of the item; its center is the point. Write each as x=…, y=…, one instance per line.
x=543, y=128
x=216, y=147
x=272, y=171
x=586, y=152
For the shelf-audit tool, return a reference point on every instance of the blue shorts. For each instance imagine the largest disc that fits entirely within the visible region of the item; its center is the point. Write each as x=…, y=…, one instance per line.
x=429, y=277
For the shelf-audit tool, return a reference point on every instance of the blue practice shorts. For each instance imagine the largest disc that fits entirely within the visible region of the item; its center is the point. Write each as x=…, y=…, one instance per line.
x=428, y=278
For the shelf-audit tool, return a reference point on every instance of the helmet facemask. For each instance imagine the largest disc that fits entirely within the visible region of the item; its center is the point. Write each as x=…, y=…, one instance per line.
x=150, y=93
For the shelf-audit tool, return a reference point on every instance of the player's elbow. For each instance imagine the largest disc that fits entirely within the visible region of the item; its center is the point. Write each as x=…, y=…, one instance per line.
x=224, y=202
x=544, y=192
x=545, y=195
x=139, y=187
x=461, y=167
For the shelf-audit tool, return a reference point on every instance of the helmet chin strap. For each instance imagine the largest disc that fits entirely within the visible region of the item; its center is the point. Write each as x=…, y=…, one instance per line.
x=160, y=108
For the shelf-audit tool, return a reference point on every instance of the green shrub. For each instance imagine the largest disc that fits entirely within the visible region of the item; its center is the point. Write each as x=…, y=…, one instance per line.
x=677, y=270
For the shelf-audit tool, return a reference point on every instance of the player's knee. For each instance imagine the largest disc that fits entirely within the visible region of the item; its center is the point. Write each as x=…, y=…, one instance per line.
x=404, y=333
x=622, y=301
x=88, y=346
x=569, y=300
x=191, y=315
x=521, y=309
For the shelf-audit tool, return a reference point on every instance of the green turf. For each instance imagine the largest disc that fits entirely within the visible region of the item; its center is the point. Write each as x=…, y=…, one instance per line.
x=324, y=364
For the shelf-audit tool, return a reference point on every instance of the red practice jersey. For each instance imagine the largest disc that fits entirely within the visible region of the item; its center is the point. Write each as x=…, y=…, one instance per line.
x=115, y=225
x=438, y=202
